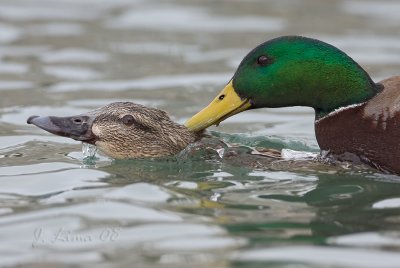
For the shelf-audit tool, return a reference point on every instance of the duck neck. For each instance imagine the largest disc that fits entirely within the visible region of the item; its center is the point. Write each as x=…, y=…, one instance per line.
x=356, y=91
x=336, y=84
x=340, y=83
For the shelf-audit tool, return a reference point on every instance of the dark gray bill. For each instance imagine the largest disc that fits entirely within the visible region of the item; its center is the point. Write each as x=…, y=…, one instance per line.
x=76, y=127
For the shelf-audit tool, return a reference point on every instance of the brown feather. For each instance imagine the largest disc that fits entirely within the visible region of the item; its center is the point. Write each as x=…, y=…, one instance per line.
x=370, y=130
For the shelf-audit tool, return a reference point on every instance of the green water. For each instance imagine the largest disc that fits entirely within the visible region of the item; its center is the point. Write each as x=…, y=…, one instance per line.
x=206, y=207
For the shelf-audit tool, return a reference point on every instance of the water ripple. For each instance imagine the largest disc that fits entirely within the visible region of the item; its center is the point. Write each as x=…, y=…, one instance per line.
x=171, y=18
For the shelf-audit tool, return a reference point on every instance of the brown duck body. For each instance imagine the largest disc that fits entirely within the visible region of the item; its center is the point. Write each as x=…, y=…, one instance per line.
x=370, y=130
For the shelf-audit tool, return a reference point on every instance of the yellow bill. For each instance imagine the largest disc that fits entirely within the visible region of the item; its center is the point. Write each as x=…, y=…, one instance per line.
x=226, y=104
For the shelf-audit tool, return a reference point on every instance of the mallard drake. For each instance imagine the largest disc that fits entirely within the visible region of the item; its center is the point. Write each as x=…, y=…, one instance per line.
x=122, y=130
x=353, y=115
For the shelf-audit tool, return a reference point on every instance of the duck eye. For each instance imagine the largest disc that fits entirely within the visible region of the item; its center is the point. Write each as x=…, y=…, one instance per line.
x=264, y=60
x=128, y=120
x=221, y=97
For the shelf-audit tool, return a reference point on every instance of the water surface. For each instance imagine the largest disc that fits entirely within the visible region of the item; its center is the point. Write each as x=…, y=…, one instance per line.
x=64, y=57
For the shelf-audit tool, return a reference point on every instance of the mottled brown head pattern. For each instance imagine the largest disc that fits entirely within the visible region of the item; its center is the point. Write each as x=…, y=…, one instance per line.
x=128, y=130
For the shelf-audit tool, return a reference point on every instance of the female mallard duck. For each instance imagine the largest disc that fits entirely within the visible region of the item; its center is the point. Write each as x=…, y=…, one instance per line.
x=353, y=114
x=122, y=130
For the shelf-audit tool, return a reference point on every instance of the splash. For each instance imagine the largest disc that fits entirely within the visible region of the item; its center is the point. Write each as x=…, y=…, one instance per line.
x=88, y=150
x=208, y=148
x=288, y=154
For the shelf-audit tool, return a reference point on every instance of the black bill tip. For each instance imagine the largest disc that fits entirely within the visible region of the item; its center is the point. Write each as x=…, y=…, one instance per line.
x=46, y=123
x=30, y=119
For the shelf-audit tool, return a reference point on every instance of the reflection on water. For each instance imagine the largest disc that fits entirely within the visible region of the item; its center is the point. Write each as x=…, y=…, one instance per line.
x=217, y=204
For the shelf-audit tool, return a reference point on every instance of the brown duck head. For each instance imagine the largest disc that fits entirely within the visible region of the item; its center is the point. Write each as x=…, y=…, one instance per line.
x=122, y=130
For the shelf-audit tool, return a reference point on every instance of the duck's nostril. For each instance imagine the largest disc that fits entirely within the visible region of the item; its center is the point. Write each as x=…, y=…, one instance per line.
x=77, y=121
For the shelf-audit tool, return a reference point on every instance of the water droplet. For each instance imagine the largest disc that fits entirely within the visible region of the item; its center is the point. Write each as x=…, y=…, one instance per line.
x=88, y=150
x=215, y=197
x=221, y=152
x=206, y=149
x=292, y=154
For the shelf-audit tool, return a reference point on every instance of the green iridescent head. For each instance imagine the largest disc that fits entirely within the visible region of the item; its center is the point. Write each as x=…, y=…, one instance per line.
x=299, y=71
x=290, y=71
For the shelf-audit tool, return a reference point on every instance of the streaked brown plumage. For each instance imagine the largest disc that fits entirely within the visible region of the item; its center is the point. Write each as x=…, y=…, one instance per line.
x=123, y=130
